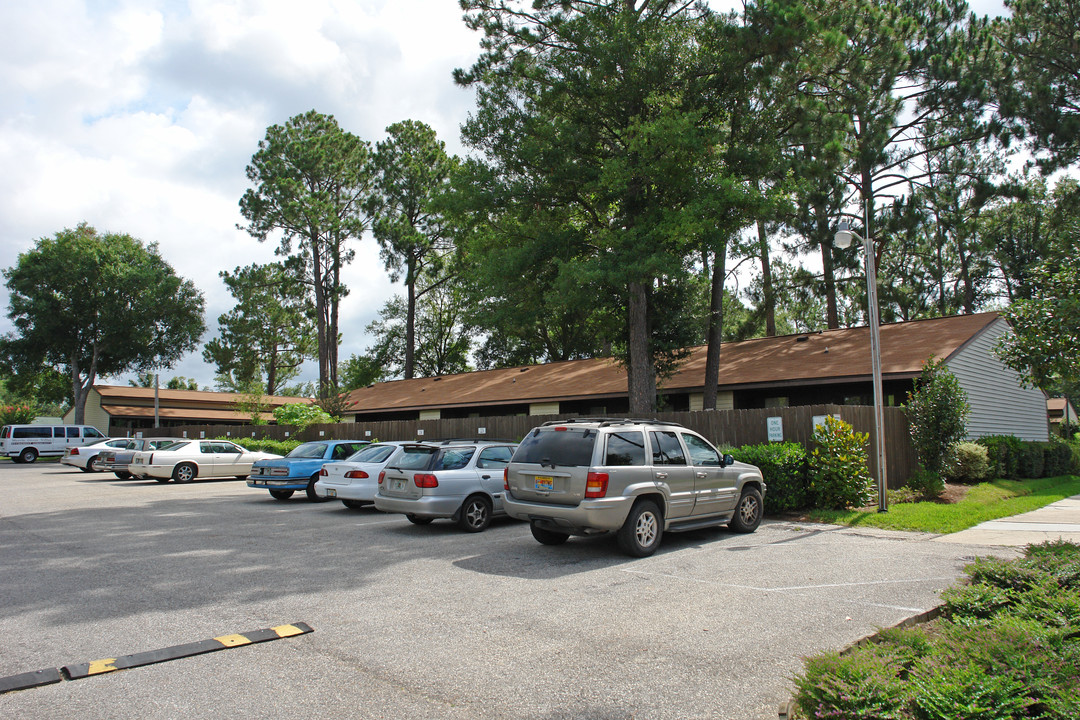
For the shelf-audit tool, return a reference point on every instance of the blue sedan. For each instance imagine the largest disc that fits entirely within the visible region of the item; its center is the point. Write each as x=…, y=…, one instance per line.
x=300, y=469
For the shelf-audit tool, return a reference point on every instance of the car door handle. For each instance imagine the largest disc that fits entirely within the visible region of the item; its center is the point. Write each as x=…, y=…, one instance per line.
x=485, y=477
x=702, y=475
x=661, y=476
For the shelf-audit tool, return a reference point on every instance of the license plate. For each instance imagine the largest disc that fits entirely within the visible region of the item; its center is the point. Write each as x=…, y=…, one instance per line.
x=399, y=486
x=331, y=492
x=545, y=483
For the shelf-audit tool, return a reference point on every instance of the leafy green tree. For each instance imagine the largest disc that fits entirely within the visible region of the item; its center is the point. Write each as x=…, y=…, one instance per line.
x=269, y=332
x=439, y=320
x=48, y=391
x=1046, y=326
x=91, y=305
x=937, y=409
x=1042, y=89
x=599, y=109
x=311, y=180
x=412, y=170
x=150, y=379
x=360, y=371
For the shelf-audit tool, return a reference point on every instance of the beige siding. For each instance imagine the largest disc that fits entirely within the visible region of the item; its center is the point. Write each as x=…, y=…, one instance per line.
x=93, y=414
x=430, y=414
x=548, y=408
x=1000, y=403
x=725, y=400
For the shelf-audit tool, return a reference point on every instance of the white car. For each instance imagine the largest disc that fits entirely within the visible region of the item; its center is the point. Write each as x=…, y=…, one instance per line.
x=86, y=457
x=354, y=480
x=189, y=459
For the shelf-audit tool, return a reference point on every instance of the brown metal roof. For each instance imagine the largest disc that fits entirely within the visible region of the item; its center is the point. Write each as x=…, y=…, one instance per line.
x=808, y=358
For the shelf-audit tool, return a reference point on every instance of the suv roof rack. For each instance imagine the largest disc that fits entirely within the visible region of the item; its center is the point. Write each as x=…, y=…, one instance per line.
x=612, y=421
x=451, y=441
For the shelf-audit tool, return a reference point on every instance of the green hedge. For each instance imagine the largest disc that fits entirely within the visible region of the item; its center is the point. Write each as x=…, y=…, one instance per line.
x=783, y=467
x=1014, y=459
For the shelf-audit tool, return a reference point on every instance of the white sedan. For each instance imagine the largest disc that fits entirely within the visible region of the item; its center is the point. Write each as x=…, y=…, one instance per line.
x=354, y=481
x=85, y=457
x=186, y=460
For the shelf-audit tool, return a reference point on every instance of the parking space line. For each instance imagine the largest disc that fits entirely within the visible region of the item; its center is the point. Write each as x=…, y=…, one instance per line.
x=787, y=588
x=49, y=676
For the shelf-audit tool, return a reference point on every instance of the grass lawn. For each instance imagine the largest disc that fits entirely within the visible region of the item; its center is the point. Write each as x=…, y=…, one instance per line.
x=985, y=501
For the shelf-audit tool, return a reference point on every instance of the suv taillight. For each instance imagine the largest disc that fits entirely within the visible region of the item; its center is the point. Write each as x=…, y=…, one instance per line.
x=506, y=478
x=356, y=474
x=382, y=476
x=423, y=480
x=596, y=485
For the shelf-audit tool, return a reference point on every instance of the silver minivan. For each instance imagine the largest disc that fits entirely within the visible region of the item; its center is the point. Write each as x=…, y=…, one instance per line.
x=635, y=478
x=457, y=479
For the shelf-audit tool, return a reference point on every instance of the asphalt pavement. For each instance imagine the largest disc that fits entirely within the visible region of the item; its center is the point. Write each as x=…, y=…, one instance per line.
x=422, y=622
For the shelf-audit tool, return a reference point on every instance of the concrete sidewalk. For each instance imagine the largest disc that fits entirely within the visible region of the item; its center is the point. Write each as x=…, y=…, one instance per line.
x=1056, y=521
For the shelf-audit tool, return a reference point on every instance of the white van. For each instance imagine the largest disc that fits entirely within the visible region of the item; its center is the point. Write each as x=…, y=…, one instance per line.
x=26, y=443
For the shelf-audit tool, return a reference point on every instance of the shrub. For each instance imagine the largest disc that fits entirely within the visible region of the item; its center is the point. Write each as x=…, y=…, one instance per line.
x=925, y=484
x=938, y=410
x=16, y=415
x=783, y=467
x=1003, y=453
x=1058, y=458
x=965, y=603
x=864, y=684
x=1031, y=461
x=968, y=462
x=947, y=691
x=837, y=469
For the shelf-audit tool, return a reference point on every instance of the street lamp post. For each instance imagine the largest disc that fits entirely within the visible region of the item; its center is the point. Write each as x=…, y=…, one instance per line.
x=844, y=236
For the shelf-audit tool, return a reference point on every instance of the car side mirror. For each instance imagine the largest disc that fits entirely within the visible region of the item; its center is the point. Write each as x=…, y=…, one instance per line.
x=728, y=460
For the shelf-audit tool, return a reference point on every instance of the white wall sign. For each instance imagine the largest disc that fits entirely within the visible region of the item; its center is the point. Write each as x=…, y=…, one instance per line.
x=481, y=431
x=420, y=432
x=776, y=429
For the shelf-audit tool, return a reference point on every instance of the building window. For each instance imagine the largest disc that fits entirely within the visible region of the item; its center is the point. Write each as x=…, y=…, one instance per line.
x=776, y=402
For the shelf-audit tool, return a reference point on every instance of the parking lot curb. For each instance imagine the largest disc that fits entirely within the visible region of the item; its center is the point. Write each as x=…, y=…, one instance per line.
x=49, y=676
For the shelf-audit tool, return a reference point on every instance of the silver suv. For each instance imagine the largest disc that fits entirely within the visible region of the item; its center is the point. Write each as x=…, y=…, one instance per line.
x=636, y=478
x=457, y=479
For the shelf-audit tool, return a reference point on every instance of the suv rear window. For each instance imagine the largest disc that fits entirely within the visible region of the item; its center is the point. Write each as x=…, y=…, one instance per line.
x=558, y=447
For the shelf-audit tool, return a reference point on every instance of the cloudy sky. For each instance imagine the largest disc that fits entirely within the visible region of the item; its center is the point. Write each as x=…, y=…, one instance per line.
x=139, y=116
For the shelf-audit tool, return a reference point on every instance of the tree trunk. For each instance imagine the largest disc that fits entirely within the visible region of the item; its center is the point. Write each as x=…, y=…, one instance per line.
x=715, y=329
x=321, y=309
x=641, y=375
x=410, y=319
x=832, y=317
x=766, y=281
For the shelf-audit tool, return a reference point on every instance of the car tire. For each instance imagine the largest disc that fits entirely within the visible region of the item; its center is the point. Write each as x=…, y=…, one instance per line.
x=122, y=474
x=640, y=534
x=281, y=494
x=28, y=455
x=417, y=520
x=748, y=511
x=311, y=494
x=241, y=477
x=185, y=472
x=354, y=504
x=475, y=514
x=91, y=465
x=548, y=537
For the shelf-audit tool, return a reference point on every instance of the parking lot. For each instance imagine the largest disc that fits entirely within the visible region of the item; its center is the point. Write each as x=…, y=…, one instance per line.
x=421, y=622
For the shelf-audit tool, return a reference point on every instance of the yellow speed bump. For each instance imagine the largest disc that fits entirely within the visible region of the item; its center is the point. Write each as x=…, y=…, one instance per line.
x=222, y=642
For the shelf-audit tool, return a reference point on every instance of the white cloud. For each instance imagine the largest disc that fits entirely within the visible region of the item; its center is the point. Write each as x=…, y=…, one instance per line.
x=140, y=117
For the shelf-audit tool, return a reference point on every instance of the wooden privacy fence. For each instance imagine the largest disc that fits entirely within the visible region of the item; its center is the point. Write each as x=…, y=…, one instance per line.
x=731, y=428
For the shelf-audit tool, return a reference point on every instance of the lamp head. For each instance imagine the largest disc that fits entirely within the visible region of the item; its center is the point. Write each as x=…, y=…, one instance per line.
x=844, y=235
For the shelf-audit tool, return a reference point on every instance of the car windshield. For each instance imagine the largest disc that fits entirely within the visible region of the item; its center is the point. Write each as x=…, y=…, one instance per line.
x=559, y=447
x=311, y=450
x=372, y=454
